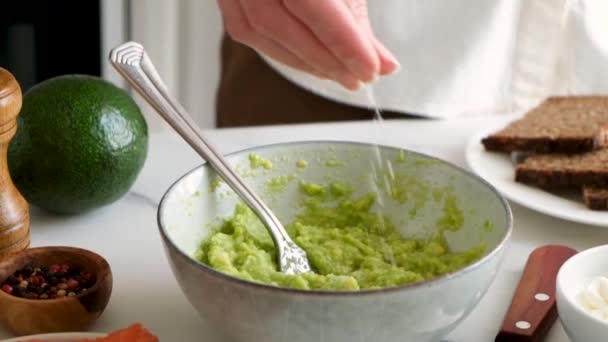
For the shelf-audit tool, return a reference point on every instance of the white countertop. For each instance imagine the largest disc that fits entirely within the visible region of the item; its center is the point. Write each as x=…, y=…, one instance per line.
x=145, y=290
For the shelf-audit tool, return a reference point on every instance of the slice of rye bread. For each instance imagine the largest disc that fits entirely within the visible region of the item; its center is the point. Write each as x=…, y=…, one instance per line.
x=595, y=198
x=565, y=124
x=558, y=171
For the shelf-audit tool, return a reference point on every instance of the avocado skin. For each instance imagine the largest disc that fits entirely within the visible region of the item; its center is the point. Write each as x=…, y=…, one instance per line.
x=80, y=144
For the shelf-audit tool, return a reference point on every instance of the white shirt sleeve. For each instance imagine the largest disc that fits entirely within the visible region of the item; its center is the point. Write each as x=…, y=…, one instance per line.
x=478, y=57
x=583, y=64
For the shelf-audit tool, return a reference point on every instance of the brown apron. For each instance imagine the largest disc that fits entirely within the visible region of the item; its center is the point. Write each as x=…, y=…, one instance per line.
x=252, y=93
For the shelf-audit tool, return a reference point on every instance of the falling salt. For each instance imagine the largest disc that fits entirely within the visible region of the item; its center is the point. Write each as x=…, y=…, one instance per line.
x=381, y=167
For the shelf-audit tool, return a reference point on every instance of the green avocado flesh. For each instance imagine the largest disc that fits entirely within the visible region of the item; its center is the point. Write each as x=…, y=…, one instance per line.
x=349, y=246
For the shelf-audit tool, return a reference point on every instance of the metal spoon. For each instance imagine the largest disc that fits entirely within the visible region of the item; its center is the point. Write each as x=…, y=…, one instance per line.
x=132, y=62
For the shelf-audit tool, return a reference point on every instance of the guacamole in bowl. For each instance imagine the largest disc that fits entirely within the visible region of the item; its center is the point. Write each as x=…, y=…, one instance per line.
x=401, y=249
x=349, y=246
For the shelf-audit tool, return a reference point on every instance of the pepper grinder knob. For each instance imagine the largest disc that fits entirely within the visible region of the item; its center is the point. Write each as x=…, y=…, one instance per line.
x=14, y=209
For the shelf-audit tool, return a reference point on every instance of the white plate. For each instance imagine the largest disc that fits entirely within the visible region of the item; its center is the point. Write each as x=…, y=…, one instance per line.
x=498, y=169
x=57, y=337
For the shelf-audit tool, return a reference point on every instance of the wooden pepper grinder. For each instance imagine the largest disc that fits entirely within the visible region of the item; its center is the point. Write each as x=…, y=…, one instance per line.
x=14, y=209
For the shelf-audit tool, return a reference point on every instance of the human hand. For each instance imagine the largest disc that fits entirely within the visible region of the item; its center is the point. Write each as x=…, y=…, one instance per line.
x=331, y=39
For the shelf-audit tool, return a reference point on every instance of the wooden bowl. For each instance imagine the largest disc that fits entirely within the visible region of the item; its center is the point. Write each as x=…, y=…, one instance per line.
x=36, y=316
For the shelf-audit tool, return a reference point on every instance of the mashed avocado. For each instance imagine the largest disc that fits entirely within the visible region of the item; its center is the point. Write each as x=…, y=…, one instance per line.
x=278, y=184
x=256, y=161
x=349, y=246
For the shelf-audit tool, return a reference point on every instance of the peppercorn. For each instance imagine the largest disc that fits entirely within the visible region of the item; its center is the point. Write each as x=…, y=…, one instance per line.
x=37, y=280
x=7, y=288
x=42, y=282
x=72, y=283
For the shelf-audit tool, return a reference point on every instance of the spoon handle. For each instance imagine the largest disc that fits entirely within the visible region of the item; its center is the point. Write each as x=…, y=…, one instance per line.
x=533, y=310
x=132, y=62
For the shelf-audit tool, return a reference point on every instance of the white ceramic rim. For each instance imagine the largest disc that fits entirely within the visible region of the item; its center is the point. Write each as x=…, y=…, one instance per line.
x=445, y=277
x=561, y=279
x=472, y=148
x=56, y=336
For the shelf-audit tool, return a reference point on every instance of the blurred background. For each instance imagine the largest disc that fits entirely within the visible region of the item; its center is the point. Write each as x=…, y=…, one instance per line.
x=39, y=44
x=532, y=49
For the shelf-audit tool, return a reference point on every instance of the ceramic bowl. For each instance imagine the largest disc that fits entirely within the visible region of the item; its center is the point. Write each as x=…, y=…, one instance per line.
x=32, y=316
x=425, y=311
x=573, y=277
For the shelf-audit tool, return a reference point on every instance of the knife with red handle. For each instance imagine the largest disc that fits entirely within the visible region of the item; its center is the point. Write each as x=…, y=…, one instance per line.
x=533, y=310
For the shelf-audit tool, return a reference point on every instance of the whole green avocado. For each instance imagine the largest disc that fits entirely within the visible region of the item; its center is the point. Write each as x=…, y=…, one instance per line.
x=80, y=144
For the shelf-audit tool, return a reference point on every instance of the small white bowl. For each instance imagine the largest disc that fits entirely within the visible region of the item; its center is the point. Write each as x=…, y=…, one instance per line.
x=573, y=277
